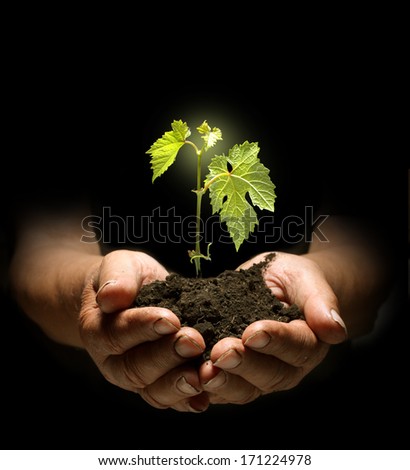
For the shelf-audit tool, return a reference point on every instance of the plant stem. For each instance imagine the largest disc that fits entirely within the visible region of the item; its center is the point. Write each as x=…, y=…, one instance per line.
x=199, y=194
x=196, y=254
x=197, y=259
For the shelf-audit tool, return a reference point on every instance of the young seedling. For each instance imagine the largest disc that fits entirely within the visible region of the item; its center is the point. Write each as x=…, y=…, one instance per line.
x=230, y=180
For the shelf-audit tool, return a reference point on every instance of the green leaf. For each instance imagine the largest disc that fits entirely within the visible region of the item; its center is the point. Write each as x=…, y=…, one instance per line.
x=164, y=150
x=229, y=187
x=210, y=136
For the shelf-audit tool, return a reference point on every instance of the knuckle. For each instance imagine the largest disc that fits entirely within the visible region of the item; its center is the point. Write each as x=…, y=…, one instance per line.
x=284, y=378
x=97, y=333
x=134, y=373
x=251, y=396
x=147, y=396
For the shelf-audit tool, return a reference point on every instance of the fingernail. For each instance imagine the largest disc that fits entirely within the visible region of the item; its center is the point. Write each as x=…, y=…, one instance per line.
x=187, y=347
x=164, y=327
x=258, y=340
x=196, y=408
x=113, y=281
x=229, y=360
x=185, y=387
x=217, y=381
x=336, y=317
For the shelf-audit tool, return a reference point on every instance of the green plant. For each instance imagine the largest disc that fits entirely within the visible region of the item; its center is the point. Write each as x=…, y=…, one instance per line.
x=230, y=180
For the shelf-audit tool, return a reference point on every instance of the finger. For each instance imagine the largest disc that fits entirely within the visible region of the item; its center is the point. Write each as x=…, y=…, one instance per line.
x=300, y=281
x=324, y=318
x=117, y=333
x=224, y=387
x=179, y=389
x=267, y=373
x=293, y=343
x=120, y=278
x=196, y=404
x=146, y=363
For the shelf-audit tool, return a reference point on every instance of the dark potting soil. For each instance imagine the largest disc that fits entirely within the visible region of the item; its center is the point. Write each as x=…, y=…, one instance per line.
x=219, y=306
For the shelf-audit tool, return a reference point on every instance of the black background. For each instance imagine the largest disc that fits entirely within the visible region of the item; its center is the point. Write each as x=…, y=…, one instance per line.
x=327, y=139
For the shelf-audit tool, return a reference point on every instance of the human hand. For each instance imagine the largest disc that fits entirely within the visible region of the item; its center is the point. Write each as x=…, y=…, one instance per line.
x=143, y=350
x=273, y=356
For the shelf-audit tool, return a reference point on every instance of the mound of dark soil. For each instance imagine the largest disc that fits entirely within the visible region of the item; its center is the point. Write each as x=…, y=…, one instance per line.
x=219, y=306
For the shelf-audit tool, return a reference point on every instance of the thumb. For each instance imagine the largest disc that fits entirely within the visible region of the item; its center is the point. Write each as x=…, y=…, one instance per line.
x=119, y=281
x=321, y=314
x=303, y=282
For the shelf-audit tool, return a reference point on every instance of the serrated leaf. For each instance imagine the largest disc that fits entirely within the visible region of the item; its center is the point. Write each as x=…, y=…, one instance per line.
x=229, y=187
x=210, y=136
x=164, y=150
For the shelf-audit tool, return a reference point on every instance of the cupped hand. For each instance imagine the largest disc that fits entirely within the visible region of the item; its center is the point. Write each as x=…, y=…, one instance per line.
x=273, y=356
x=143, y=350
